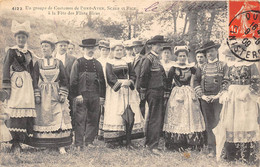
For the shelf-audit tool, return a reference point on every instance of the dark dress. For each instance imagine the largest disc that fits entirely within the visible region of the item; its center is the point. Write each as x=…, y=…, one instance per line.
x=17, y=78
x=118, y=71
x=184, y=124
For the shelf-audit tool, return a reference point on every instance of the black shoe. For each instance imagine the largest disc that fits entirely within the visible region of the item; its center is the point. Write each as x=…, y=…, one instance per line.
x=100, y=138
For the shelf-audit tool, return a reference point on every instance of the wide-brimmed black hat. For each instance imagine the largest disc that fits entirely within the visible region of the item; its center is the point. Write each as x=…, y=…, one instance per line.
x=90, y=42
x=209, y=45
x=199, y=50
x=137, y=43
x=167, y=47
x=156, y=39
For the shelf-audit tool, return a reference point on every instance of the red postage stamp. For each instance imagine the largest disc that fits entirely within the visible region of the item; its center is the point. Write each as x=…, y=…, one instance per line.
x=244, y=22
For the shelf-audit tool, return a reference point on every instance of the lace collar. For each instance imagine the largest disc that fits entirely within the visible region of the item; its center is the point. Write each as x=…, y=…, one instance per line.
x=23, y=50
x=186, y=65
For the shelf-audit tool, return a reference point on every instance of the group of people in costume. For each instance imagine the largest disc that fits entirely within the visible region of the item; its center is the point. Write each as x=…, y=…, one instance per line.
x=211, y=103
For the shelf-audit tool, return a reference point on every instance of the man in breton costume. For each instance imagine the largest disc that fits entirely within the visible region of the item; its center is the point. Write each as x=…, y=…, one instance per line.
x=152, y=87
x=208, y=85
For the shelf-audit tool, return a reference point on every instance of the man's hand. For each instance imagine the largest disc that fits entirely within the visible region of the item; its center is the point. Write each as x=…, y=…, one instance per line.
x=206, y=98
x=79, y=99
x=215, y=97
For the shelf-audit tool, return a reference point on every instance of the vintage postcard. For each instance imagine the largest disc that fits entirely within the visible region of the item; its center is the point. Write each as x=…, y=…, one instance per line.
x=130, y=83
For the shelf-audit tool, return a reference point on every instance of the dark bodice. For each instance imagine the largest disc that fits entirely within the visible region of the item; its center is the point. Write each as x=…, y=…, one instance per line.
x=49, y=73
x=16, y=61
x=242, y=75
x=20, y=61
x=121, y=71
x=181, y=76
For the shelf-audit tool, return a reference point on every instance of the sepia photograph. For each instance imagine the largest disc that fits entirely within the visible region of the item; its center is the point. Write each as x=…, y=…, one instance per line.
x=114, y=83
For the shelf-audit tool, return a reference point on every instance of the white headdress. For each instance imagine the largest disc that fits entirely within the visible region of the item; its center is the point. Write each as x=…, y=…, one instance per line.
x=51, y=38
x=115, y=43
x=128, y=43
x=180, y=48
x=17, y=27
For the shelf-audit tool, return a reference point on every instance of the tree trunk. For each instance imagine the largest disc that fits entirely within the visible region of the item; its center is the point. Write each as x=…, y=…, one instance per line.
x=174, y=16
x=185, y=24
x=210, y=24
x=192, y=33
x=135, y=24
x=129, y=31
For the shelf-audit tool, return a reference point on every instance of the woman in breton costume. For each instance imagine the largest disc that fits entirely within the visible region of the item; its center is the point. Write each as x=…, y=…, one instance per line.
x=52, y=126
x=17, y=82
x=103, y=59
x=167, y=64
x=120, y=78
x=104, y=52
x=184, y=124
x=166, y=59
x=239, y=121
x=129, y=52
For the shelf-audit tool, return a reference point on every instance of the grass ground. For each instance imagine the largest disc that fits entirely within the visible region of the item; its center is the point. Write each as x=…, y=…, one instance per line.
x=101, y=156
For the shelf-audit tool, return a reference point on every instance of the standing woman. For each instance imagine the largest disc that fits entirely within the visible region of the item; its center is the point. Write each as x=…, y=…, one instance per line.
x=129, y=52
x=240, y=116
x=104, y=52
x=17, y=82
x=167, y=64
x=53, y=123
x=166, y=59
x=120, y=78
x=184, y=124
x=104, y=56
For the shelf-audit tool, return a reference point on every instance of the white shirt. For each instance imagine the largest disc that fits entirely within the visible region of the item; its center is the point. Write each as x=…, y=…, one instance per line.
x=61, y=57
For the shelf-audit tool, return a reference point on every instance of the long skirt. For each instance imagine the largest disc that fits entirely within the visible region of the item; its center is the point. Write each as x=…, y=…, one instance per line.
x=184, y=124
x=52, y=127
x=239, y=124
x=21, y=107
x=245, y=152
x=114, y=125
